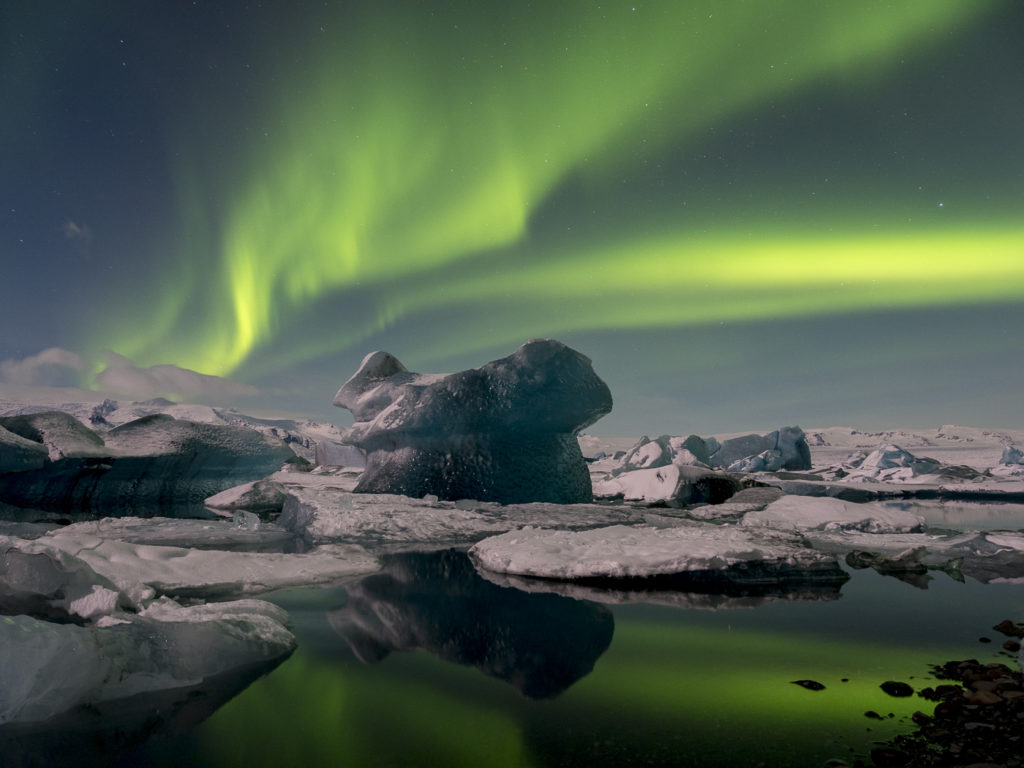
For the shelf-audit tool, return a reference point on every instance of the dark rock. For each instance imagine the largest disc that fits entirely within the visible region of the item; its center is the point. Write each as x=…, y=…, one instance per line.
x=976, y=725
x=505, y=431
x=1009, y=629
x=896, y=688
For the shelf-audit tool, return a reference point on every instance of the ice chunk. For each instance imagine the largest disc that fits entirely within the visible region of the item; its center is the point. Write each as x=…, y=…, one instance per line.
x=786, y=448
x=329, y=514
x=689, y=553
x=222, y=535
x=673, y=483
x=18, y=454
x=177, y=571
x=766, y=461
x=47, y=669
x=1011, y=463
x=888, y=457
x=502, y=432
x=1012, y=455
x=52, y=585
x=806, y=513
x=63, y=435
x=156, y=461
x=258, y=496
x=893, y=464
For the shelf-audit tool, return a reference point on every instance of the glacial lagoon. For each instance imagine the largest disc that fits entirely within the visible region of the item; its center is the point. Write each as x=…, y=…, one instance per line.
x=432, y=671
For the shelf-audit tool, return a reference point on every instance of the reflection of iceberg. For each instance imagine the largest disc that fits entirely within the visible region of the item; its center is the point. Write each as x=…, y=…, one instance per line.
x=541, y=644
x=692, y=596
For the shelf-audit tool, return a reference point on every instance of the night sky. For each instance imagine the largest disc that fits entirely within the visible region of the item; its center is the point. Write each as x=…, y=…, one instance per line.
x=747, y=214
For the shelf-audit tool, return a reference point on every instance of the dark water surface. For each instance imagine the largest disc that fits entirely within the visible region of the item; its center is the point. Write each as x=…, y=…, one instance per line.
x=429, y=664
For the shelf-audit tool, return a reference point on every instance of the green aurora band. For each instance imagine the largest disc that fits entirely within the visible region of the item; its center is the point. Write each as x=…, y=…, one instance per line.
x=413, y=147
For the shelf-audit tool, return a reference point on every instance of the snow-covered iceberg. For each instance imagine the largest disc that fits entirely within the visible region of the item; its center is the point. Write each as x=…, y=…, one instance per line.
x=671, y=484
x=890, y=463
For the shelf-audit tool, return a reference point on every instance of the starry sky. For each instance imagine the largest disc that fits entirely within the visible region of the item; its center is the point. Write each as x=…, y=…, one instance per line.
x=747, y=214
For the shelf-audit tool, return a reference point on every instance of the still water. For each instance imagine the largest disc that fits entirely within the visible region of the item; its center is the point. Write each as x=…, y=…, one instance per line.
x=429, y=664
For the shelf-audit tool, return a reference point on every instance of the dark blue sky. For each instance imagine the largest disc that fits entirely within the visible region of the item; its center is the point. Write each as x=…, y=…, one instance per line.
x=744, y=216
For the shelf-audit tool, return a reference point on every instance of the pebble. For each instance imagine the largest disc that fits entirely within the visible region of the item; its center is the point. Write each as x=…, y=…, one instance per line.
x=977, y=721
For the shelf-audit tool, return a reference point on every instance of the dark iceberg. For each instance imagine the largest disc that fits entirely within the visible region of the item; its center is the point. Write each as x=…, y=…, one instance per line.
x=504, y=432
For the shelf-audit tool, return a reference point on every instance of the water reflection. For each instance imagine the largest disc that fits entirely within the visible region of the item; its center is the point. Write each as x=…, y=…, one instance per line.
x=686, y=595
x=541, y=644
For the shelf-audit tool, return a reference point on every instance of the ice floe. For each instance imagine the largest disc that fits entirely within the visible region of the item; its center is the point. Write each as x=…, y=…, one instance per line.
x=190, y=572
x=321, y=513
x=801, y=513
x=693, y=552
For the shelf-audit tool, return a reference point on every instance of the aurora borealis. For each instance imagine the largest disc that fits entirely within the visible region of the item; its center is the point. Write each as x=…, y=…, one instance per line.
x=744, y=213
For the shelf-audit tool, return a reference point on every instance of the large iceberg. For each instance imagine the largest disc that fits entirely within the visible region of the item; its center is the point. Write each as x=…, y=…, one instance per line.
x=505, y=431
x=148, y=465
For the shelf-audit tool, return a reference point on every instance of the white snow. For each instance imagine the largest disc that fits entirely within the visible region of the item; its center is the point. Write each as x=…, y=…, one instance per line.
x=657, y=484
x=810, y=513
x=619, y=551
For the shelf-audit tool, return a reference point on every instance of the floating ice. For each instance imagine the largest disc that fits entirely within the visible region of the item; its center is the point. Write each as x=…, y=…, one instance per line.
x=63, y=435
x=154, y=461
x=505, y=431
x=179, y=571
x=689, y=553
x=671, y=483
x=323, y=514
x=18, y=454
x=48, y=669
x=804, y=513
